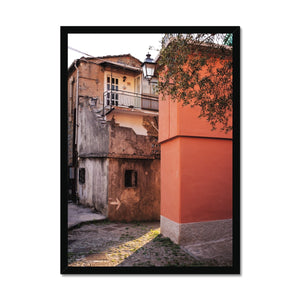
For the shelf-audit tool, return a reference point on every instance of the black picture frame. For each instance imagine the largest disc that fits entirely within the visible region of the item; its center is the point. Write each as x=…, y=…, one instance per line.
x=64, y=268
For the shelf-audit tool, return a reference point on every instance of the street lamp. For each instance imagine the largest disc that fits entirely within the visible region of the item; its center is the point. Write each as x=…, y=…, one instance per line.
x=148, y=67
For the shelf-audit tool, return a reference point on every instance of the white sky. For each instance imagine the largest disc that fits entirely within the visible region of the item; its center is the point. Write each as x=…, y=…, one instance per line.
x=113, y=44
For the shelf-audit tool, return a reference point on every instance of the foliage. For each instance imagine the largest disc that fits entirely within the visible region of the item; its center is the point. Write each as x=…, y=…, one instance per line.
x=228, y=39
x=196, y=70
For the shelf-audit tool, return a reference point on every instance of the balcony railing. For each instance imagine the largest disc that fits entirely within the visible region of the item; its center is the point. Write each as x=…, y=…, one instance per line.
x=131, y=100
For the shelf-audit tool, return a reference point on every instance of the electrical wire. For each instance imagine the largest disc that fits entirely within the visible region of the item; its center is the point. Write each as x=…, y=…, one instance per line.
x=80, y=51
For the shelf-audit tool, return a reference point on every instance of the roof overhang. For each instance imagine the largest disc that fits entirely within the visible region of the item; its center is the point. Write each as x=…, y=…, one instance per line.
x=118, y=66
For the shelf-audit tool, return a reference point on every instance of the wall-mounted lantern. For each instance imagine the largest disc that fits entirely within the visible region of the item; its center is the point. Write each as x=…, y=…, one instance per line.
x=148, y=67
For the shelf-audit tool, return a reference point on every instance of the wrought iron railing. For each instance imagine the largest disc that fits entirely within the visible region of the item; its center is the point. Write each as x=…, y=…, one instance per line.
x=129, y=99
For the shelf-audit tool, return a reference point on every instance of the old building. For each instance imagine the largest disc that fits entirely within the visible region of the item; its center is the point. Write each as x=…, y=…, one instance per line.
x=113, y=151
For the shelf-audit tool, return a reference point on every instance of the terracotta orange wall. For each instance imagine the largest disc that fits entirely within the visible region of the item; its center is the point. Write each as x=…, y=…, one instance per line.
x=175, y=119
x=205, y=179
x=196, y=179
x=196, y=166
x=168, y=119
x=170, y=181
x=190, y=124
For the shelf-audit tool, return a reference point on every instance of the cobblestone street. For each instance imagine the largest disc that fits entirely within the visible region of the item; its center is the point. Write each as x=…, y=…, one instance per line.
x=125, y=244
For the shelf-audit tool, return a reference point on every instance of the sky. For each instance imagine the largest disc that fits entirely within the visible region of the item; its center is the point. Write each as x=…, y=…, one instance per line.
x=113, y=44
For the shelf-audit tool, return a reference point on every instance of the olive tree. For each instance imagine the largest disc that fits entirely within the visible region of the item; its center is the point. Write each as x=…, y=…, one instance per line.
x=196, y=70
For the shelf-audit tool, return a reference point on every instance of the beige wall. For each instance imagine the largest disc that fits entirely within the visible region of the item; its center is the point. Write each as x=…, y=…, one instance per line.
x=129, y=120
x=127, y=86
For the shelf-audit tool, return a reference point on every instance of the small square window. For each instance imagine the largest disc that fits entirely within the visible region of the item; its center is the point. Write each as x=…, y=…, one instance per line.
x=130, y=178
x=82, y=175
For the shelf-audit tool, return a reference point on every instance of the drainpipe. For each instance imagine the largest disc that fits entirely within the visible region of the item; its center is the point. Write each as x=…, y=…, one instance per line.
x=103, y=114
x=77, y=100
x=76, y=131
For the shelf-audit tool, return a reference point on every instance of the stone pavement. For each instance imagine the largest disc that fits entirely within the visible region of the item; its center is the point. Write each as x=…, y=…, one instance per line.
x=78, y=215
x=218, y=252
x=105, y=243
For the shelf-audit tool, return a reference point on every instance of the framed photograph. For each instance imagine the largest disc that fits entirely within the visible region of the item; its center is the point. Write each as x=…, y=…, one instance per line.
x=150, y=150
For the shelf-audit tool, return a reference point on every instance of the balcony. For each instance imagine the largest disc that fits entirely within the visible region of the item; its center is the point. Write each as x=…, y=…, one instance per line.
x=130, y=100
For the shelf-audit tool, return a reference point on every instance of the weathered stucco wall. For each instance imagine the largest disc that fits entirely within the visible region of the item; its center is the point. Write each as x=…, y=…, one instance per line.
x=134, y=122
x=93, y=148
x=92, y=137
x=91, y=81
x=141, y=124
x=105, y=152
x=140, y=203
x=93, y=192
x=124, y=141
x=139, y=153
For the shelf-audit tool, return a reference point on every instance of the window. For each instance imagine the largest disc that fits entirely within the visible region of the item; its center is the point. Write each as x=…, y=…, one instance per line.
x=108, y=83
x=82, y=175
x=112, y=87
x=115, y=84
x=130, y=178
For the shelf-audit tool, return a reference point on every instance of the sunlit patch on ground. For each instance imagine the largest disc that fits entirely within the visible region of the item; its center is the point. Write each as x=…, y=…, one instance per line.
x=124, y=244
x=118, y=254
